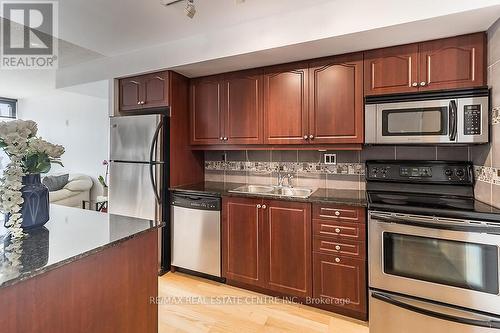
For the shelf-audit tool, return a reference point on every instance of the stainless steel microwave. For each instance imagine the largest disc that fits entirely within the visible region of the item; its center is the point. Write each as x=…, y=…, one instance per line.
x=428, y=118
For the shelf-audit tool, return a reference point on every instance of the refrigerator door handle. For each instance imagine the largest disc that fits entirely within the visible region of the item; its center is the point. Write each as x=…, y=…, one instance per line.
x=152, y=161
x=491, y=322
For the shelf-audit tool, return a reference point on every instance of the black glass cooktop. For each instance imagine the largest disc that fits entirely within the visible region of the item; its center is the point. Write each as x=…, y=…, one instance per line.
x=432, y=204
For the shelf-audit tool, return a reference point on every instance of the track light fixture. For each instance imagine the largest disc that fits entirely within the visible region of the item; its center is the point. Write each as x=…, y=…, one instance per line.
x=190, y=9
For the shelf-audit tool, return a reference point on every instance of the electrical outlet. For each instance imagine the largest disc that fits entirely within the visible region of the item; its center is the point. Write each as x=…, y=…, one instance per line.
x=330, y=158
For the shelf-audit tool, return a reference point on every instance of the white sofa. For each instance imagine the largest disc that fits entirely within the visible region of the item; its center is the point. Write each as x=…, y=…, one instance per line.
x=74, y=192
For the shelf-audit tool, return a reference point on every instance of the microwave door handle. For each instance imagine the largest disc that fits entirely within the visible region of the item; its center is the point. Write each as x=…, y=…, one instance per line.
x=452, y=110
x=437, y=224
x=491, y=323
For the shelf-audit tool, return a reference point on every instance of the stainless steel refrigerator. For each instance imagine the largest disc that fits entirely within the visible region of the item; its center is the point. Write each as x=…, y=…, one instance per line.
x=139, y=169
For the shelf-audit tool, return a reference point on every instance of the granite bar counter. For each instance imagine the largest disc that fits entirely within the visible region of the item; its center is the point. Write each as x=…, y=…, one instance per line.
x=82, y=271
x=321, y=195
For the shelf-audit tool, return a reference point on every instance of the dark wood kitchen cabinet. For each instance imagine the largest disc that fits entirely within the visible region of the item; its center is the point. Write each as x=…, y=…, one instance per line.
x=242, y=108
x=287, y=244
x=391, y=70
x=206, y=111
x=286, y=104
x=340, y=284
x=336, y=100
x=242, y=232
x=339, y=259
x=457, y=62
x=267, y=243
x=227, y=109
x=144, y=92
x=449, y=63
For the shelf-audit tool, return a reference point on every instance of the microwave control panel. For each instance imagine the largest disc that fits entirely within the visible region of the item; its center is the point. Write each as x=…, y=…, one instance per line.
x=472, y=119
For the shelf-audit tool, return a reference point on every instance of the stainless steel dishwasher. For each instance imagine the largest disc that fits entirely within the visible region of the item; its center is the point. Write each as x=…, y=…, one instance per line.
x=196, y=233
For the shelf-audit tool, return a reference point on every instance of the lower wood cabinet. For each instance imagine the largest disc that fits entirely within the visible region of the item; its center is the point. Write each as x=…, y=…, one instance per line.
x=287, y=246
x=340, y=284
x=277, y=246
x=267, y=243
x=242, y=234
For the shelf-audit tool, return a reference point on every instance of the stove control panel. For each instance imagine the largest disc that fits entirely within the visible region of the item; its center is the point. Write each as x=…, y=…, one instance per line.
x=420, y=172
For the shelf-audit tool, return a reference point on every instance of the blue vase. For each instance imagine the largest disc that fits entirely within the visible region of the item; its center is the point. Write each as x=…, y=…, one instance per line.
x=35, y=209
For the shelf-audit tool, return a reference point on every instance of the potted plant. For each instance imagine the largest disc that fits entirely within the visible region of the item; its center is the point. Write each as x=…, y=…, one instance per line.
x=104, y=180
x=23, y=198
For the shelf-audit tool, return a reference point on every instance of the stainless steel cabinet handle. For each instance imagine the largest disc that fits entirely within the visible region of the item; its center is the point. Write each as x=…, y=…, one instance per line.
x=311, y=136
x=337, y=259
x=221, y=138
x=423, y=83
x=337, y=213
x=225, y=138
x=139, y=103
x=264, y=206
x=337, y=247
x=305, y=137
x=414, y=84
x=337, y=230
x=259, y=206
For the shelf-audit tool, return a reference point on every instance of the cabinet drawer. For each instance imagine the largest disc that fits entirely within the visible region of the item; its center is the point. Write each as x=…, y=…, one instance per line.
x=346, y=230
x=336, y=212
x=339, y=247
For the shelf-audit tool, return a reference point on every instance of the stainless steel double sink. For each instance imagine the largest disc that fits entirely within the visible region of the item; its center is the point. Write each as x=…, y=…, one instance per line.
x=276, y=191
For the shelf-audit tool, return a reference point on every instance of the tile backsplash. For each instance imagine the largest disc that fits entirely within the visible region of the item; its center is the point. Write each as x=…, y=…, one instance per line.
x=308, y=167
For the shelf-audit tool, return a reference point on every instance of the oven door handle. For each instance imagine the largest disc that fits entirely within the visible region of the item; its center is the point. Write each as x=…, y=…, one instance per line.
x=436, y=224
x=491, y=322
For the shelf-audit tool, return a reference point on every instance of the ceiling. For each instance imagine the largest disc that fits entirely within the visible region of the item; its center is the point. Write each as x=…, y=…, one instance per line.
x=114, y=27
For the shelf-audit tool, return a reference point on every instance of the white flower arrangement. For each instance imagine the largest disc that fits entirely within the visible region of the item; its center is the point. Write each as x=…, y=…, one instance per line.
x=28, y=154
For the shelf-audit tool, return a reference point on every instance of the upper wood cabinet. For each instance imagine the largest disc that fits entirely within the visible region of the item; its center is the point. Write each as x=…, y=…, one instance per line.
x=144, y=92
x=336, y=100
x=242, y=108
x=391, y=70
x=456, y=62
x=286, y=105
x=227, y=109
x=205, y=111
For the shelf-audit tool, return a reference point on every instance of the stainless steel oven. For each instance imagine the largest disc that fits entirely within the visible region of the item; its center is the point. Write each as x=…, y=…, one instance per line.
x=442, y=268
x=444, y=118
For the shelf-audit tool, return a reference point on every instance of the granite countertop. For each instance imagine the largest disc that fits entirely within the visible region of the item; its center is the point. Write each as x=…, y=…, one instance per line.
x=321, y=195
x=71, y=234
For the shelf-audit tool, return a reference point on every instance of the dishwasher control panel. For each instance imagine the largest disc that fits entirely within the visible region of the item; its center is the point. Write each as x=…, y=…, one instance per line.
x=195, y=201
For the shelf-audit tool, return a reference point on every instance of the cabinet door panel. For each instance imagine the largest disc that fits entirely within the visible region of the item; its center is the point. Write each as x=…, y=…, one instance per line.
x=391, y=70
x=336, y=100
x=288, y=247
x=156, y=90
x=342, y=283
x=285, y=106
x=456, y=62
x=130, y=94
x=242, y=232
x=205, y=112
x=243, y=109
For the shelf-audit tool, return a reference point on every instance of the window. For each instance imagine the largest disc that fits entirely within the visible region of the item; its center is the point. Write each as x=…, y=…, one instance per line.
x=8, y=108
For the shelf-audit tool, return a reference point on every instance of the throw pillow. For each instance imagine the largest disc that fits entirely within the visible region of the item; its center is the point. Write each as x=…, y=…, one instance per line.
x=55, y=183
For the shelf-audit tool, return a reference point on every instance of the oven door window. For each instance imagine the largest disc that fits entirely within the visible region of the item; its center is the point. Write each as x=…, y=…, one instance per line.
x=415, y=121
x=459, y=264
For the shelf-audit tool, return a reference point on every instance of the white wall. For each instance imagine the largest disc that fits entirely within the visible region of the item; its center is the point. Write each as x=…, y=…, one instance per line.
x=77, y=121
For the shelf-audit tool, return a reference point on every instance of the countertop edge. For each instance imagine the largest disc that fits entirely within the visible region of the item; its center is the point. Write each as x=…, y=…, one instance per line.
x=32, y=274
x=321, y=200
